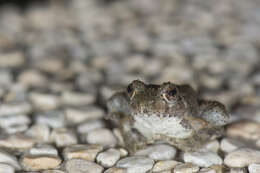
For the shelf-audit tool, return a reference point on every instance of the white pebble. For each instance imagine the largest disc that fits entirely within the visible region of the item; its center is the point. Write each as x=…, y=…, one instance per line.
x=82, y=166
x=254, y=168
x=6, y=168
x=109, y=157
x=228, y=145
x=101, y=136
x=53, y=118
x=63, y=137
x=158, y=152
x=136, y=164
x=165, y=165
x=203, y=158
x=90, y=125
x=44, y=102
x=15, y=108
x=9, y=159
x=186, y=168
x=242, y=157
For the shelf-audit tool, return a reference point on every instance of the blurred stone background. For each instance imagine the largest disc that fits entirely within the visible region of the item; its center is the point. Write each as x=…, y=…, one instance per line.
x=60, y=60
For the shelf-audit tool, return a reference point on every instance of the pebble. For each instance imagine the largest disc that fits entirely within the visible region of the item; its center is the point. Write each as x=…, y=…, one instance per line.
x=101, y=136
x=63, y=137
x=212, y=146
x=90, y=125
x=228, y=145
x=254, y=168
x=43, y=149
x=245, y=129
x=115, y=170
x=70, y=98
x=108, y=158
x=82, y=166
x=136, y=164
x=32, y=78
x=40, y=132
x=43, y=101
x=40, y=162
x=9, y=159
x=86, y=152
x=242, y=157
x=53, y=118
x=14, y=123
x=52, y=171
x=6, y=168
x=17, y=142
x=203, y=158
x=158, y=152
x=186, y=168
x=76, y=116
x=14, y=108
x=11, y=60
x=208, y=170
x=165, y=165
x=238, y=170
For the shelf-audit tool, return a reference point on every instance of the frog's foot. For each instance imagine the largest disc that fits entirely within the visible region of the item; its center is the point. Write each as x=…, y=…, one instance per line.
x=197, y=140
x=213, y=112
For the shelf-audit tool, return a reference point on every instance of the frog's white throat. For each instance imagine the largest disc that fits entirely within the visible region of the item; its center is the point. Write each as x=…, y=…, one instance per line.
x=156, y=124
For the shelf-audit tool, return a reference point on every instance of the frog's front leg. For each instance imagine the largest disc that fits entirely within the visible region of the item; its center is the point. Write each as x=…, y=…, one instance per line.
x=132, y=138
x=213, y=112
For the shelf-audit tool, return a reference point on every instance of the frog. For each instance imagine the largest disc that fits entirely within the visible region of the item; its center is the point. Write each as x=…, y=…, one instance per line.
x=147, y=114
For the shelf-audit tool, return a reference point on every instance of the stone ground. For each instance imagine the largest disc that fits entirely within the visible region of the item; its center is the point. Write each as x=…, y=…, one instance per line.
x=59, y=62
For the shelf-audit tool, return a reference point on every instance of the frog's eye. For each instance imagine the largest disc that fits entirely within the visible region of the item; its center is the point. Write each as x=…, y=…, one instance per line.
x=170, y=95
x=130, y=91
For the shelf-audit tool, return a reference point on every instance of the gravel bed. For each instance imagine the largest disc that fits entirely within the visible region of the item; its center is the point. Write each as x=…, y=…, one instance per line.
x=61, y=61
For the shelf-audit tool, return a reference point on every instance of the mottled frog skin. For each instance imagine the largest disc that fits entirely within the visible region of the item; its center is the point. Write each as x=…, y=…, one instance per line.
x=171, y=113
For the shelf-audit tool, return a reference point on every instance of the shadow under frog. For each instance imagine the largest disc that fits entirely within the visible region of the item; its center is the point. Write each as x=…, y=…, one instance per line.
x=148, y=113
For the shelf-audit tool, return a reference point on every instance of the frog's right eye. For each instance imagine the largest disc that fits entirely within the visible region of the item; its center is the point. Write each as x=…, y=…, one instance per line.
x=130, y=91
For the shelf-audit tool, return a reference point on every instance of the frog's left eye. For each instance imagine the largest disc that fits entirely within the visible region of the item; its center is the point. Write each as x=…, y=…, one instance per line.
x=170, y=95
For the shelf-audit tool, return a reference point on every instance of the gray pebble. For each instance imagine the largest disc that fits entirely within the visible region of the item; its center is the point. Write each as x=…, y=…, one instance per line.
x=82, y=166
x=136, y=164
x=101, y=136
x=108, y=158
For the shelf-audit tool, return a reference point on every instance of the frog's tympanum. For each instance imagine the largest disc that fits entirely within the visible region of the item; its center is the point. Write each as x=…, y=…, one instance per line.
x=171, y=113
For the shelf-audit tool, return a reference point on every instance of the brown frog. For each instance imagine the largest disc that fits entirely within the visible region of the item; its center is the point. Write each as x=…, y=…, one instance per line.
x=148, y=113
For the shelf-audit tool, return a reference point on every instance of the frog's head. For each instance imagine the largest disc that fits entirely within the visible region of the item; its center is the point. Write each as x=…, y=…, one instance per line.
x=164, y=99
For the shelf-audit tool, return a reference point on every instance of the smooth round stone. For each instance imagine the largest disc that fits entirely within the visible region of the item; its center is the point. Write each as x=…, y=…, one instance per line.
x=14, y=59
x=40, y=132
x=77, y=98
x=90, y=125
x=52, y=171
x=228, y=145
x=17, y=142
x=254, y=168
x=82, y=166
x=87, y=152
x=32, y=78
x=203, y=158
x=136, y=164
x=12, y=120
x=13, y=108
x=245, y=129
x=238, y=170
x=44, y=102
x=9, y=159
x=79, y=115
x=115, y=170
x=212, y=146
x=207, y=170
x=40, y=162
x=165, y=165
x=63, y=137
x=186, y=168
x=101, y=136
x=6, y=168
x=43, y=149
x=53, y=118
x=158, y=152
x=242, y=157
x=109, y=157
